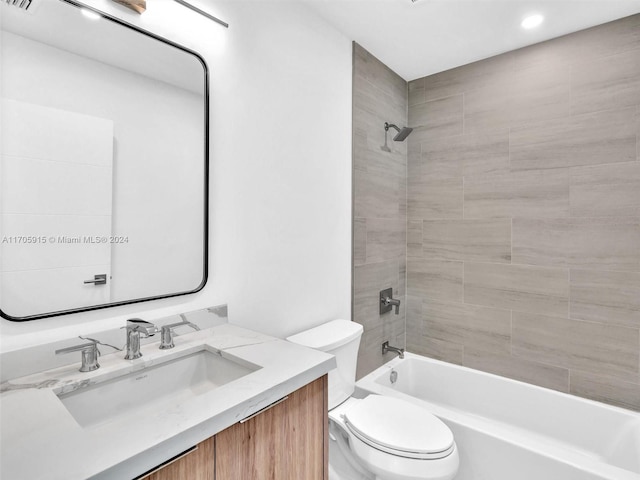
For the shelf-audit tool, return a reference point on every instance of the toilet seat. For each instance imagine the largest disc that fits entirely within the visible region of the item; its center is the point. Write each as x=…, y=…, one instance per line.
x=399, y=428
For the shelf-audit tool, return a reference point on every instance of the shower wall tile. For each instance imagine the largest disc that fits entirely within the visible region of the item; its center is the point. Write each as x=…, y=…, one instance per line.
x=377, y=102
x=369, y=68
x=416, y=92
x=437, y=118
x=413, y=146
x=468, y=240
x=380, y=206
x=605, y=83
x=379, y=196
x=428, y=166
x=605, y=190
x=438, y=349
x=518, y=96
x=359, y=241
x=539, y=92
x=434, y=279
x=536, y=373
x=369, y=157
x=538, y=193
x=601, y=41
x=390, y=330
x=517, y=287
x=591, y=139
x=414, y=311
x=487, y=108
x=560, y=52
x=471, y=326
x=605, y=243
x=606, y=297
x=606, y=389
x=483, y=153
x=414, y=238
x=638, y=133
x=386, y=239
x=402, y=273
x=467, y=77
x=523, y=233
x=471, y=154
x=575, y=344
x=435, y=198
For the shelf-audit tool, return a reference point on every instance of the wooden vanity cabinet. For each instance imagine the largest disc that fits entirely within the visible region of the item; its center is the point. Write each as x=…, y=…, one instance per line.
x=196, y=463
x=287, y=441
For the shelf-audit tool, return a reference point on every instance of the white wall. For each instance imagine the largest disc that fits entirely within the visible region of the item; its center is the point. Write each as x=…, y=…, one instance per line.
x=280, y=171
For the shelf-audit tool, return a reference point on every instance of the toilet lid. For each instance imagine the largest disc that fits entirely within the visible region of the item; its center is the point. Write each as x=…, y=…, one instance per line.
x=399, y=427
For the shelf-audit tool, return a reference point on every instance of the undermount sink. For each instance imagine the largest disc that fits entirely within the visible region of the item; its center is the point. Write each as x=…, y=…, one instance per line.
x=153, y=389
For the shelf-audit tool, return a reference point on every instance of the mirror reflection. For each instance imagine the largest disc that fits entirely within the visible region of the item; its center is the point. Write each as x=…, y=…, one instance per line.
x=103, y=166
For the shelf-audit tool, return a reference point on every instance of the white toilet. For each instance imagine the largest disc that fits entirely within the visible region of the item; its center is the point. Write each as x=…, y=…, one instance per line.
x=389, y=438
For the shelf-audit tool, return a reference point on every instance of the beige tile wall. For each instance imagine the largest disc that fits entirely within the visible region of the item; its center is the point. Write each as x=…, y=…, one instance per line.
x=523, y=202
x=380, y=205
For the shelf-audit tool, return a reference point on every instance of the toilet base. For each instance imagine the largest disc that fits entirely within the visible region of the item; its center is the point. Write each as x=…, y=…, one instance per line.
x=341, y=460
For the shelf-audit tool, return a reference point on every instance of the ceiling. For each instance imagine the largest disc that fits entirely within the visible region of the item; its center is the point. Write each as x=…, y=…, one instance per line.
x=430, y=36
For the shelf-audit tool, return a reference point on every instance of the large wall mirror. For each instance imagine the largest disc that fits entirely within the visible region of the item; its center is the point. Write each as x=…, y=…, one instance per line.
x=104, y=163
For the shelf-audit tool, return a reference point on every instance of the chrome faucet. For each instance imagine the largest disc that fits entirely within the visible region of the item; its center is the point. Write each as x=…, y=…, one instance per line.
x=388, y=348
x=90, y=354
x=134, y=328
x=166, y=332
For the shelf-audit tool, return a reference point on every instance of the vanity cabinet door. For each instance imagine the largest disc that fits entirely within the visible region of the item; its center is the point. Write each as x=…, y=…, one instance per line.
x=288, y=441
x=195, y=464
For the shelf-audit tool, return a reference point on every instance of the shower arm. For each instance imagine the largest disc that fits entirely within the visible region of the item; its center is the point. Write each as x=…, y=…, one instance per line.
x=388, y=125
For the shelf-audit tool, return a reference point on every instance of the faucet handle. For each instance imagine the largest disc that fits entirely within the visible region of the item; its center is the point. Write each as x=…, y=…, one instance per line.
x=89, y=352
x=387, y=302
x=166, y=332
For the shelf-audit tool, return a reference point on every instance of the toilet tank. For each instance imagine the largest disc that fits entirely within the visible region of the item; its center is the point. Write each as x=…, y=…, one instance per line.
x=342, y=339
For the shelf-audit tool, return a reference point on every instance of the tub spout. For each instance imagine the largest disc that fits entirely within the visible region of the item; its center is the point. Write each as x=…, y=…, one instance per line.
x=388, y=348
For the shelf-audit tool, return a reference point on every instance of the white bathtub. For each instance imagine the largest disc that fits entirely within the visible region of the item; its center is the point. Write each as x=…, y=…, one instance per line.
x=509, y=430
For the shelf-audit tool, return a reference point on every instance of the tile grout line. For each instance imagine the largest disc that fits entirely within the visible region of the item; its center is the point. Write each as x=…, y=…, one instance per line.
x=569, y=294
x=464, y=114
x=511, y=332
x=511, y=258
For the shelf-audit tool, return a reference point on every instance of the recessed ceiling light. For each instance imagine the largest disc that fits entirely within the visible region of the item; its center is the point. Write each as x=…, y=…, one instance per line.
x=532, y=21
x=89, y=14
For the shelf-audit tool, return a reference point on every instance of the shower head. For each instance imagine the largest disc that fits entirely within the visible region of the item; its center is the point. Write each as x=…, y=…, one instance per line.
x=403, y=132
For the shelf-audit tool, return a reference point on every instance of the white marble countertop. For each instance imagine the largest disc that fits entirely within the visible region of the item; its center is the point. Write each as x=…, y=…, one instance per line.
x=40, y=439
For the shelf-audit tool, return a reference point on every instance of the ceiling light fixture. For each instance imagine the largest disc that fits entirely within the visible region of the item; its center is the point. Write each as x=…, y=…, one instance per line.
x=532, y=21
x=138, y=6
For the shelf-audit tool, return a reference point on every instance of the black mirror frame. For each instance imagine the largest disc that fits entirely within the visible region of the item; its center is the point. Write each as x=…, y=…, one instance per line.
x=205, y=271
